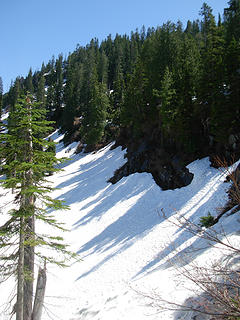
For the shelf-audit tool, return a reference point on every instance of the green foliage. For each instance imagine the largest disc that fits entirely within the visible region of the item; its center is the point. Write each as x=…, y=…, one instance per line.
x=166, y=94
x=1, y=96
x=184, y=82
x=207, y=221
x=95, y=117
x=28, y=159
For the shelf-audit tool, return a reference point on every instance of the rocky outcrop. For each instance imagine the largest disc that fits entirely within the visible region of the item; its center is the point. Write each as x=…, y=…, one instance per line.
x=166, y=160
x=168, y=170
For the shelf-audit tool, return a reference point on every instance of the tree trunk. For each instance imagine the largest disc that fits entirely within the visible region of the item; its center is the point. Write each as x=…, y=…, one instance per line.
x=40, y=293
x=29, y=270
x=20, y=280
x=28, y=204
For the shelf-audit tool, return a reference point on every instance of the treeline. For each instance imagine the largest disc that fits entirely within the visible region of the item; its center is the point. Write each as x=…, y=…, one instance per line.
x=181, y=83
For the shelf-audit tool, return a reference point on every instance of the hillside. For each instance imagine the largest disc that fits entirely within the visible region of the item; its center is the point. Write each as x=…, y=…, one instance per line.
x=126, y=245
x=170, y=95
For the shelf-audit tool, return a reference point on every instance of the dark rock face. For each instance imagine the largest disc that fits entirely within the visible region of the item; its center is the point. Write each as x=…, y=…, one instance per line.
x=166, y=160
x=168, y=170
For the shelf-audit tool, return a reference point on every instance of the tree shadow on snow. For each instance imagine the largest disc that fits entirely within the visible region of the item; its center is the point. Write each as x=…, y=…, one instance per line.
x=205, y=199
x=140, y=207
x=90, y=177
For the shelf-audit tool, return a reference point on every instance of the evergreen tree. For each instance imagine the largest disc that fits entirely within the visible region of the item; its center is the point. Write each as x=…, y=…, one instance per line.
x=136, y=106
x=186, y=70
x=167, y=108
x=232, y=18
x=103, y=68
x=232, y=64
x=95, y=116
x=29, y=83
x=1, y=96
x=117, y=96
x=74, y=101
x=30, y=166
x=211, y=89
x=40, y=94
x=58, y=90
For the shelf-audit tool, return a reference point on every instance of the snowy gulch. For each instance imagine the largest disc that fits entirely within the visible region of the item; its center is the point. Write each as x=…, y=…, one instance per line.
x=131, y=249
x=142, y=119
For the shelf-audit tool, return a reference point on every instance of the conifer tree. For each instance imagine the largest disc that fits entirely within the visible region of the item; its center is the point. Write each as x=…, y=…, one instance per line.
x=40, y=94
x=167, y=108
x=1, y=95
x=211, y=86
x=58, y=88
x=232, y=17
x=95, y=118
x=232, y=65
x=136, y=105
x=117, y=96
x=30, y=166
x=29, y=83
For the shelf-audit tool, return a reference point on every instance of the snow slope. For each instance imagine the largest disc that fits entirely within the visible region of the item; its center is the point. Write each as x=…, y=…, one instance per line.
x=123, y=239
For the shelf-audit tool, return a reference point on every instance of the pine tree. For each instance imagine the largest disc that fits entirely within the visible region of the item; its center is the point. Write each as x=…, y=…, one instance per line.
x=74, y=100
x=167, y=108
x=58, y=88
x=1, y=96
x=117, y=96
x=95, y=118
x=232, y=18
x=211, y=87
x=136, y=108
x=30, y=166
x=232, y=64
x=29, y=83
x=40, y=94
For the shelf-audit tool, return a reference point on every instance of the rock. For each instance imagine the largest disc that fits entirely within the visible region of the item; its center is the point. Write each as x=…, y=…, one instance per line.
x=168, y=172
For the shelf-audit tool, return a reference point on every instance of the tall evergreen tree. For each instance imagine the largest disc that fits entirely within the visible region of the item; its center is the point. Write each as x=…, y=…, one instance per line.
x=94, y=121
x=40, y=94
x=232, y=17
x=1, y=96
x=58, y=88
x=167, y=108
x=136, y=106
x=211, y=89
x=30, y=165
x=29, y=83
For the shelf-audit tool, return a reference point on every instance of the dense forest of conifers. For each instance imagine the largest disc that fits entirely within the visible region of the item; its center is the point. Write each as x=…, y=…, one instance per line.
x=178, y=87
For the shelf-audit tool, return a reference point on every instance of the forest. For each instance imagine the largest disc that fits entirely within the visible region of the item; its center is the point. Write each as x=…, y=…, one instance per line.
x=172, y=90
x=169, y=95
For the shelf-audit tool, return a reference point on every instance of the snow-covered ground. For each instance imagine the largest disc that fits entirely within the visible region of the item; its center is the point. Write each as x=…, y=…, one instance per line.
x=123, y=239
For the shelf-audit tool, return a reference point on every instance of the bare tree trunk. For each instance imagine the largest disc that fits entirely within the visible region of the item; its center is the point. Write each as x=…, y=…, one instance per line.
x=20, y=282
x=40, y=293
x=29, y=270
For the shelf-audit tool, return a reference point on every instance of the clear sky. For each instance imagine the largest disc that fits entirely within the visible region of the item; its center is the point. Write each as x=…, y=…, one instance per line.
x=32, y=31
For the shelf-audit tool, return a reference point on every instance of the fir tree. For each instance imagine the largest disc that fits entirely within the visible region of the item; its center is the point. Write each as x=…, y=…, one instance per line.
x=1, y=96
x=58, y=88
x=167, y=109
x=40, y=94
x=211, y=88
x=30, y=166
x=95, y=118
x=29, y=83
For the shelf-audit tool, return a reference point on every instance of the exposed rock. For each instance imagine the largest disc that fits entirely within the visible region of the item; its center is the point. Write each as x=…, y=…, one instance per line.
x=166, y=160
x=168, y=171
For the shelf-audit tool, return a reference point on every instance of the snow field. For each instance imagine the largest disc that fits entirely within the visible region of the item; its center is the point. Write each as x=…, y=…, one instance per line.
x=126, y=245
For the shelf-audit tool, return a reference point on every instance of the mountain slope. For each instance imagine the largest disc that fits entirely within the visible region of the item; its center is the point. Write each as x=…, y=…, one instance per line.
x=123, y=239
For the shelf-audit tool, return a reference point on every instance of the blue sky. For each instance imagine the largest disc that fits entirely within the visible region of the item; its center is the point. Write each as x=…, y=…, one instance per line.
x=32, y=31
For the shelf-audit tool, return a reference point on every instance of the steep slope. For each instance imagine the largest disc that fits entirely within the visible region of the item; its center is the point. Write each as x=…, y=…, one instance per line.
x=123, y=239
